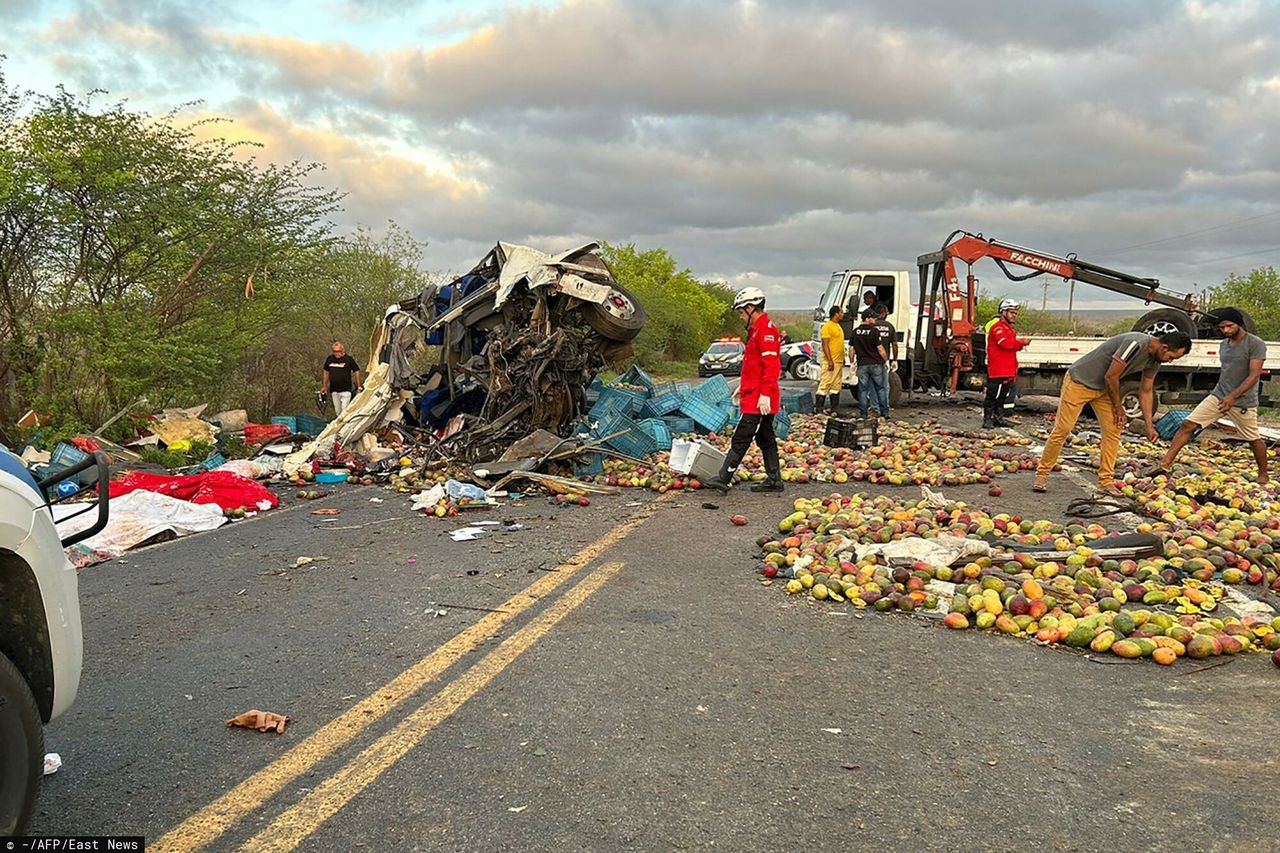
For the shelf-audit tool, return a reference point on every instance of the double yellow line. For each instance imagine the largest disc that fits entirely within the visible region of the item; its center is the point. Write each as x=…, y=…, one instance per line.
x=303, y=818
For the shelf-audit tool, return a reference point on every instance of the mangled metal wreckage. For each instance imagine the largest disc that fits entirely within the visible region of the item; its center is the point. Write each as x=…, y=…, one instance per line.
x=519, y=337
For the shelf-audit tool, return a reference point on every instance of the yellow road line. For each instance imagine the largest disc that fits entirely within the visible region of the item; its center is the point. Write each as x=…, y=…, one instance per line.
x=208, y=824
x=294, y=825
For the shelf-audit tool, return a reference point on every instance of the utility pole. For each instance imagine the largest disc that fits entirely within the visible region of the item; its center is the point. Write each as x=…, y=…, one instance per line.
x=1044, y=296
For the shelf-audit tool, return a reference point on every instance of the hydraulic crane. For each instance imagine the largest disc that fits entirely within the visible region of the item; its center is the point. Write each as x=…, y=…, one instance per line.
x=948, y=328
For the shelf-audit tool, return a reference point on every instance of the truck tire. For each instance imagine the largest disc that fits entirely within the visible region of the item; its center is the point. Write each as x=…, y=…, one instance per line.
x=619, y=318
x=1132, y=403
x=21, y=750
x=1166, y=320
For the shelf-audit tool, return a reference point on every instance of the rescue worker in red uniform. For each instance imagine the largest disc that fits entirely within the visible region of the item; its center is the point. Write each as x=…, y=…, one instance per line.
x=758, y=394
x=1003, y=344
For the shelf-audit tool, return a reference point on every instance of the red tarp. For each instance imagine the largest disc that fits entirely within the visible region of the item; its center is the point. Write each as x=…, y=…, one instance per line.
x=255, y=434
x=227, y=490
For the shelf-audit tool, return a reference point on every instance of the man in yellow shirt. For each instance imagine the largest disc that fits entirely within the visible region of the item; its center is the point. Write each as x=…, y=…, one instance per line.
x=831, y=360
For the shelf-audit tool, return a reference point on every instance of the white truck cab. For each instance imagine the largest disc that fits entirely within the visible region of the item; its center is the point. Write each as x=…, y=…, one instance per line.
x=40, y=633
x=1041, y=365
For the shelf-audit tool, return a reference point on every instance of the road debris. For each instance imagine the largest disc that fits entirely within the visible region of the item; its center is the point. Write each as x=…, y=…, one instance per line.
x=262, y=721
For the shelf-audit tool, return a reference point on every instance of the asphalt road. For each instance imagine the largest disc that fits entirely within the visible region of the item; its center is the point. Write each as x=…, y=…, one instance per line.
x=640, y=690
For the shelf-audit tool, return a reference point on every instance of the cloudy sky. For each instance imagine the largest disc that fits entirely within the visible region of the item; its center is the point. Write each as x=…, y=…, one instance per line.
x=763, y=142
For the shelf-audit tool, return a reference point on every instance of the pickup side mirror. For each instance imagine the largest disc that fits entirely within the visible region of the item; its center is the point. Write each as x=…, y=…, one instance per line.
x=818, y=316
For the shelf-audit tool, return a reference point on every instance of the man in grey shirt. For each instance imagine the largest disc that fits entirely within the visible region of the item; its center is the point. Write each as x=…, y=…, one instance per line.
x=1235, y=396
x=1094, y=380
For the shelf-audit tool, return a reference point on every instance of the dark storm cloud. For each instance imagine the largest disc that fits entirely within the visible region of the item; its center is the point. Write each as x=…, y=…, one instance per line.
x=771, y=141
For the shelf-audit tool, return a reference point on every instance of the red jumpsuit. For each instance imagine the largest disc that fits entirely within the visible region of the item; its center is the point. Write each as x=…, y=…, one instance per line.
x=761, y=366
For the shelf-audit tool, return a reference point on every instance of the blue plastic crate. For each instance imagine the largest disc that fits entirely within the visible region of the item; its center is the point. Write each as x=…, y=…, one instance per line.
x=797, y=402
x=309, y=424
x=735, y=415
x=679, y=425
x=781, y=425
x=592, y=467
x=710, y=417
x=635, y=375
x=287, y=420
x=616, y=400
x=714, y=390
x=658, y=431
x=632, y=440
x=592, y=392
x=665, y=400
x=1170, y=422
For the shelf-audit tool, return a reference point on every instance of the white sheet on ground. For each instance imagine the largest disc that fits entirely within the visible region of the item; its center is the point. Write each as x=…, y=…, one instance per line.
x=942, y=551
x=135, y=518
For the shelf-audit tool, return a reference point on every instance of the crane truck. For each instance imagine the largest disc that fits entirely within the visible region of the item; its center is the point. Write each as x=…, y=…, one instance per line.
x=942, y=349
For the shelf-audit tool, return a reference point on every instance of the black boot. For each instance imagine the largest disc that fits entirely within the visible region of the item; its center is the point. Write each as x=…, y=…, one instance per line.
x=772, y=468
x=988, y=416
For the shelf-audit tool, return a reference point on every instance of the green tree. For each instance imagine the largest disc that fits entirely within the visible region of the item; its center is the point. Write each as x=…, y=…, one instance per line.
x=683, y=314
x=1257, y=294
x=127, y=246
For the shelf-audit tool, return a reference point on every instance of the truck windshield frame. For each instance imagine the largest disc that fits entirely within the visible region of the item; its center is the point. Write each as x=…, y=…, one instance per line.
x=838, y=285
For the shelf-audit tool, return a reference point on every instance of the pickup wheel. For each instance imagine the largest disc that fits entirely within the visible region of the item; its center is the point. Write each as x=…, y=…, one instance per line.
x=1166, y=320
x=21, y=750
x=796, y=367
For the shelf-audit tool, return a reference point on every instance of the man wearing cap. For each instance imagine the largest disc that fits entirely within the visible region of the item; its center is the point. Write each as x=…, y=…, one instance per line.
x=1003, y=344
x=1235, y=396
x=871, y=355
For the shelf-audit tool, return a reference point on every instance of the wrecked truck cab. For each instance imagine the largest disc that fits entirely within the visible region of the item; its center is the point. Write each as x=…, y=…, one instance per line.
x=515, y=342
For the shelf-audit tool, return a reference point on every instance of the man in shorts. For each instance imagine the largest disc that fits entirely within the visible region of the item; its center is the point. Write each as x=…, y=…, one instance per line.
x=1235, y=395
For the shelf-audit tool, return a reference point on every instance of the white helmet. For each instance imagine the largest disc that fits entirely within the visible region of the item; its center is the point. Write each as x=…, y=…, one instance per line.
x=1008, y=305
x=748, y=296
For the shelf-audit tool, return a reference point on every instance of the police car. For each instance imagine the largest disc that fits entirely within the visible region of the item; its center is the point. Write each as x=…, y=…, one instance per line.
x=723, y=356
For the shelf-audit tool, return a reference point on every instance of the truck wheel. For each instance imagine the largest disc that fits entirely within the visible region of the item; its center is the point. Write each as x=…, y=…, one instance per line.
x=1131, y=402
x=619, y=318
x=1166, y=320
x=21, y=750
x=895, y=389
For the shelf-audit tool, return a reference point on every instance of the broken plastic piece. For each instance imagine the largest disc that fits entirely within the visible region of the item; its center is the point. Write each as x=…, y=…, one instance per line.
x=263, y=721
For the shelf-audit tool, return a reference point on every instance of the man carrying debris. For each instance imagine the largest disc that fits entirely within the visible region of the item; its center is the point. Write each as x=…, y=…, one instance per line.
x=340, y=378
x=872, y=355
x=757, y=395
x=1003, y=344
x=832, y=361
x=1235, y=395
x=1095, y=380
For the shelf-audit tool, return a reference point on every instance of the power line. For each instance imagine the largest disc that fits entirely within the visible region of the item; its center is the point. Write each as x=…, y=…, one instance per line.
x=1229, y=257
x=1223, y=227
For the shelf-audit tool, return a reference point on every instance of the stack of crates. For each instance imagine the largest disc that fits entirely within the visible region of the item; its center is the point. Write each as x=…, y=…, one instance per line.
x=658, y=431
x=632, y=440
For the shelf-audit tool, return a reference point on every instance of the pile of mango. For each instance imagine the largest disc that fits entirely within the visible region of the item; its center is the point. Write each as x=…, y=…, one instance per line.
x=906, y=455
x=1163, y=608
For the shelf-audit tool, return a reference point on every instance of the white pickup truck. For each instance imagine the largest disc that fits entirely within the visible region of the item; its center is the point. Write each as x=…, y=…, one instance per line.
x=1041, y=365
x=40, y=633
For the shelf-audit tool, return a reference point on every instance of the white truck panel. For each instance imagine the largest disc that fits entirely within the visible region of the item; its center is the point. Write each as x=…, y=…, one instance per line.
x=1051, y=353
